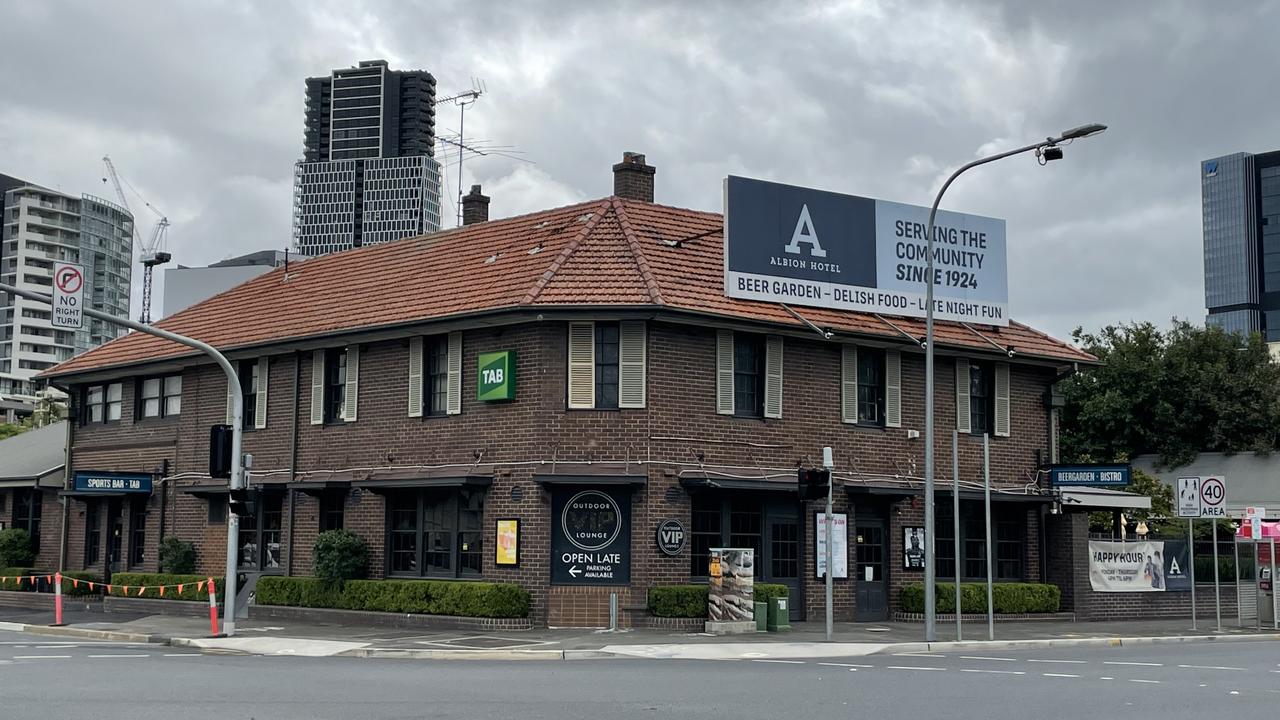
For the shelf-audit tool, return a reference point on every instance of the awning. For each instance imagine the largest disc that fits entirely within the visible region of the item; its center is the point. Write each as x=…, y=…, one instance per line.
x=209, y=489
x=315, y=487
x=941, y=491
x=1088, y=498
x=627, y=480
x=710, y=482
x=458, y=481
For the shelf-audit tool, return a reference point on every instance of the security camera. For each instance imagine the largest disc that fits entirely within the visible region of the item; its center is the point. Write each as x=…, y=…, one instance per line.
x=1052, y=152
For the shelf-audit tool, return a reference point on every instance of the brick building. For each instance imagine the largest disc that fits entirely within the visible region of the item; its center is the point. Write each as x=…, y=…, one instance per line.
x=639, y=391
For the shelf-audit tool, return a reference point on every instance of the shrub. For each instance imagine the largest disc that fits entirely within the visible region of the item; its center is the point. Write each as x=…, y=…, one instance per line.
x=425, y=597
x=766, y=591
x=340, y=555
x=1008, y=598
x=177, y=556
x=678, y=601
x=12, y=572
x=152, y=580
x=16, y=548
x=81, y=588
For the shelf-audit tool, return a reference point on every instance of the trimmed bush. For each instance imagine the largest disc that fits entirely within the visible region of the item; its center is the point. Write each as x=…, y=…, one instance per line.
x=177, y=556
x=424, y=597
x=152, y=580
x=340, y=555
x=16, y=548
x=1008, y=598
x=12, y=572
x=81, y=589
x=690, y=601
x=68, y=588
x=678, y=601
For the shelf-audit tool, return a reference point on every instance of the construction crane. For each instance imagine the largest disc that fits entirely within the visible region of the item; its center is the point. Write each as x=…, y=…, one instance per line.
x=152, y=252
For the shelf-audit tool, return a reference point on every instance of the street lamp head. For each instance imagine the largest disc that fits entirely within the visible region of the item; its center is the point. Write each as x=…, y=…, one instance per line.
x=1083, y=131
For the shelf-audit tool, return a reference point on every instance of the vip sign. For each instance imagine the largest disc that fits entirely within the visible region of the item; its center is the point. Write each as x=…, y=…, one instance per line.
x=496, y=376
x=811, y=247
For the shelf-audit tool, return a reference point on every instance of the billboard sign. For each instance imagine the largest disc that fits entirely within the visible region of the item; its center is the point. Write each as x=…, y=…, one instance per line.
x=812, y=247
x=1155, y=566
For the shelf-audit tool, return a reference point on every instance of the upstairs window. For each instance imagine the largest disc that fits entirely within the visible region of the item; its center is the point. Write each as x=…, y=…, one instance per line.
x=748, y=375
x=102, y=403
x=160, y=397
x=335, y=385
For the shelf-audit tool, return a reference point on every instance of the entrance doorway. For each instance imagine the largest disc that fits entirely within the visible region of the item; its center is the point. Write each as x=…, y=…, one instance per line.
x=872, y=573
x=769, y=523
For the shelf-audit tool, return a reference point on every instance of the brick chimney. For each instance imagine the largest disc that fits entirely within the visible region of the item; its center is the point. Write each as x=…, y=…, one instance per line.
x=475, y=207
x=633, y=179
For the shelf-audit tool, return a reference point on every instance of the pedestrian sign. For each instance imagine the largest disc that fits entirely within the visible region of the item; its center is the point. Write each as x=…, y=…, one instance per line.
x=68, y=296
x=1189, y=497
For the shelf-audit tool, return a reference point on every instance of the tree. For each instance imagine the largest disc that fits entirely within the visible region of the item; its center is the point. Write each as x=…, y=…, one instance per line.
x=1177, y=393
x=8, y=430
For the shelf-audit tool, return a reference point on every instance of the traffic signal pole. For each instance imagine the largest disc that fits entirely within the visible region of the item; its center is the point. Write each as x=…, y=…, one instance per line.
x=237, y=422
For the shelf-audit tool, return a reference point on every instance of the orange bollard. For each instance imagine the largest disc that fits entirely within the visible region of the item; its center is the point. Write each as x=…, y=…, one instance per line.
x=57, y=599
x=213, y=608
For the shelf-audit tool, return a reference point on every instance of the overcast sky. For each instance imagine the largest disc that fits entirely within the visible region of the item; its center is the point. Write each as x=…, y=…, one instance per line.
x=200, y=105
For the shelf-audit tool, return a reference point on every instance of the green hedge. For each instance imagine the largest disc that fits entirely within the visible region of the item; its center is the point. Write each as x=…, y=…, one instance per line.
x=690, y=601
x=69, y=588
x=1008, y=598
x=151, y=580
x=426, y=597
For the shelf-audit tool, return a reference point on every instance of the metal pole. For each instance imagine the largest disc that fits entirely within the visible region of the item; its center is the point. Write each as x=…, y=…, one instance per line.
x=1191, y=555
x=1275, y=617
x=930, y=601
x=830, y=543
x=237, y=421
x=1235, y=549
x=1217, y=588
x=955, y=522
x=986, y=491
x=1257, y=585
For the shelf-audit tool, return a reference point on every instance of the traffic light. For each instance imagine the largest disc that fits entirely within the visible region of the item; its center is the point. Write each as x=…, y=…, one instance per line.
x=243, y=502
x=220, y=451
x=813, y=483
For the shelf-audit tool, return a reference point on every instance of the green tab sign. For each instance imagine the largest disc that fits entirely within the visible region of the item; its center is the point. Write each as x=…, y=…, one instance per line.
x=496, y=376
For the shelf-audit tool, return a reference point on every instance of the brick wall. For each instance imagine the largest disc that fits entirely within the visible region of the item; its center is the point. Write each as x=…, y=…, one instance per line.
x=536, y=434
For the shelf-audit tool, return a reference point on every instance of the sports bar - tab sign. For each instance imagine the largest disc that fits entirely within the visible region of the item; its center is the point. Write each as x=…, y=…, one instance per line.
x=89, y=481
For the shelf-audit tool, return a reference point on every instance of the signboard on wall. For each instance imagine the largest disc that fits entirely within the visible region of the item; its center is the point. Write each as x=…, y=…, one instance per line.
x=812, y=247
x=839, y=545
x=112, y=482
x=1091, y=475
x=1152, y=566
x=591, y=536
x=496, y=376
x=507, y=542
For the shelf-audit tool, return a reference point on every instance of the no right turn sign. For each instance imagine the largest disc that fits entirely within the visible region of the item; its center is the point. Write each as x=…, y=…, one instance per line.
x=68, y=296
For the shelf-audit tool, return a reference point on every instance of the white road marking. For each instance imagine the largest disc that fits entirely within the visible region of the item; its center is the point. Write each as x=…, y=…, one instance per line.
x=1106, y=678
x=908, y=667
x=1210, y=667
x=1235, y=692
x=1065, y=662
x=119, y=656
x=183, y=655
x=55, y=647
x=1149, y=682
x=1124, y=662
x=918, y=655
x=41, y=657
x=977, y=657
x=848, y=665
x=1059, y=675
x=784, y=662
x=994, y=672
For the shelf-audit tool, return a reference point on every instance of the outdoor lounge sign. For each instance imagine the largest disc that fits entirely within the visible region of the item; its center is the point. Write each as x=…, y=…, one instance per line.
x=811, y=247
x=88, y=481
x=590, y=536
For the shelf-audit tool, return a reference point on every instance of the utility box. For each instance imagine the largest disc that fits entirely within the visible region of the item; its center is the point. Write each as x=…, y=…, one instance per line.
x=1266, y=598
x=779, y=615
x=762, y=616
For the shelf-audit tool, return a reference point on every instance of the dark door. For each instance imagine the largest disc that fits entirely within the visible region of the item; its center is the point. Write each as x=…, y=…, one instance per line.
x=115, y=534
x=871, y=578
x=781, y=562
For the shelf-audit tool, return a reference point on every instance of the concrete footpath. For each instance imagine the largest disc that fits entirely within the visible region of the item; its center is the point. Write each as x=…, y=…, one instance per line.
x=805, y=640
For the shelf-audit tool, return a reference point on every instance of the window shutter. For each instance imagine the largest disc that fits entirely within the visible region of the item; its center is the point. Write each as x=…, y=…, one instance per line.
x=773, y=377
x=631, y=364
x=415, y=377
x=1002, y=400
x=260, y=399
x=317, y=387
x=453, y=391
x=724, y=372
x=962, y=395
x=353, y=382
x=582, y=365
x=849, y=383
x=892, y=388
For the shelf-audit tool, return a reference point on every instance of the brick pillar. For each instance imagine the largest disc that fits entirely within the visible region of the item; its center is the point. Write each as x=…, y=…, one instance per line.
x=633, y=179
x=475, y=207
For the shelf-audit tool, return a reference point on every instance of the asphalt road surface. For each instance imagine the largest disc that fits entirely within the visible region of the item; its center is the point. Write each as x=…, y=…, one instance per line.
x=45, y=676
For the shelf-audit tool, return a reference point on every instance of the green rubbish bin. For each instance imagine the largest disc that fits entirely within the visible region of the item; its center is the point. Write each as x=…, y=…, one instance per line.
x=762, y=616
x=779, y=615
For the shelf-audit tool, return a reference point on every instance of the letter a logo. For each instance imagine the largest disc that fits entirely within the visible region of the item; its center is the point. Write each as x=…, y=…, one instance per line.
x=1174, y=568
x=805, y=233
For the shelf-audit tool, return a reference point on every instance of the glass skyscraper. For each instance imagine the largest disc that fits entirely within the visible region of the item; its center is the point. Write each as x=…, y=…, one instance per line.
x=1240, y=196
x=368, y=173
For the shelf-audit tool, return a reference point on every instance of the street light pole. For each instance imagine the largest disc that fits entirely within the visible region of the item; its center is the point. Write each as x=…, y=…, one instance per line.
x=237, y=421
x=930, y=601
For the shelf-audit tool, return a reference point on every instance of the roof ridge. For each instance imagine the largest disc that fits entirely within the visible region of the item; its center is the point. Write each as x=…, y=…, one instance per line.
x=545, y=278
x=637, y=252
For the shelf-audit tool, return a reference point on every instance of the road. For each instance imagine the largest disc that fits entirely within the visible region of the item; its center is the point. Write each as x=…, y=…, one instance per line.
x=45, y=677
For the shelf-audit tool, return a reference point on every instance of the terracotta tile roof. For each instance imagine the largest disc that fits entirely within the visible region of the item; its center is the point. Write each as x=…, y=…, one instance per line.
x=610, y=252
